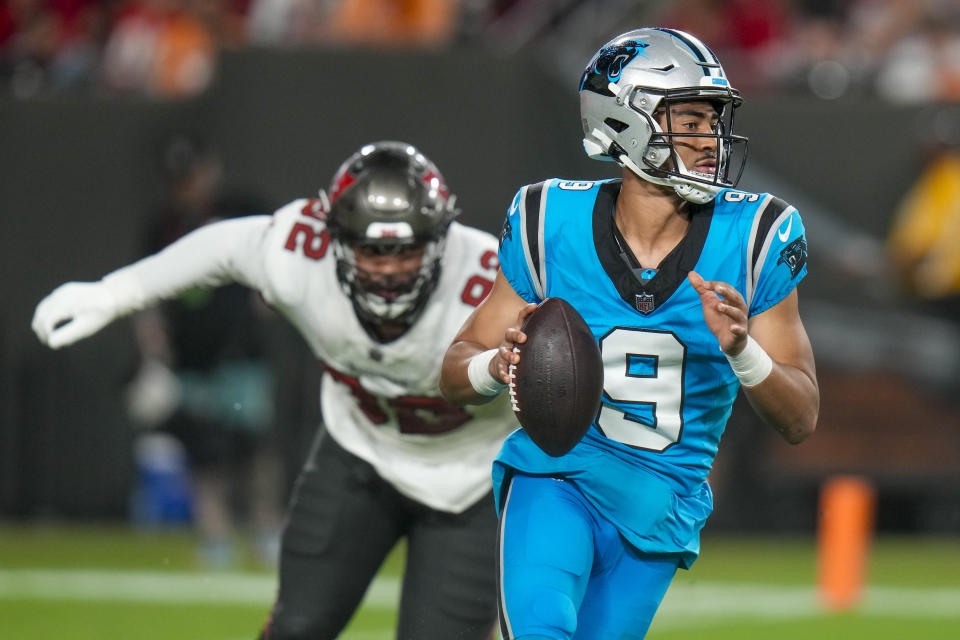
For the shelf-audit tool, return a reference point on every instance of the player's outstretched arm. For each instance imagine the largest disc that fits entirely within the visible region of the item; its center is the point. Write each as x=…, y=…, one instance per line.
x=771, y=355
x=475, y=367
x=210, y=256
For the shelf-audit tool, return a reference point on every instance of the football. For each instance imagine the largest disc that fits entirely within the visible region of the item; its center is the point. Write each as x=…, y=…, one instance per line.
x=557, y=386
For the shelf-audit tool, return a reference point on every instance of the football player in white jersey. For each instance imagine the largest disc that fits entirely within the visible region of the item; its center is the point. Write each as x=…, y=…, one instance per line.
x=378, y=277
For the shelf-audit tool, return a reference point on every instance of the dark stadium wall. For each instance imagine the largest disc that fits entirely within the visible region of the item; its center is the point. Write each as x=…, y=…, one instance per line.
x=80, y=176
x=78, y=179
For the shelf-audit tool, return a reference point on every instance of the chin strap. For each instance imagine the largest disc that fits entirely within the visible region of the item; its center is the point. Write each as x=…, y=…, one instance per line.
x=690, y=191
x=699, y=194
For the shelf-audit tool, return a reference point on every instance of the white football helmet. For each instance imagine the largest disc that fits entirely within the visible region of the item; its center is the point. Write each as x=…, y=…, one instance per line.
x=644, y=70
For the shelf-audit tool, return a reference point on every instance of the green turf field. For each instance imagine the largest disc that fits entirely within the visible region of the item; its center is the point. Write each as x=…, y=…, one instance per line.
x=105, y=583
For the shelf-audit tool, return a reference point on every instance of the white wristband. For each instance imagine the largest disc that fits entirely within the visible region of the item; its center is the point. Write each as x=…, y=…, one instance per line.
x=752, y=365
x=479, y=373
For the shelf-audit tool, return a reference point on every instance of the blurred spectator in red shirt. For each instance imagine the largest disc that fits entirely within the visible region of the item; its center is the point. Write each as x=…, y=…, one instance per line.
x=51, y=44
x=746, y=34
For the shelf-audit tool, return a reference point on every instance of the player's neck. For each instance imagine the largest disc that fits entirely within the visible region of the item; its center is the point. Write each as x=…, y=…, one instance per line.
x=386, y=331
x=651, y=218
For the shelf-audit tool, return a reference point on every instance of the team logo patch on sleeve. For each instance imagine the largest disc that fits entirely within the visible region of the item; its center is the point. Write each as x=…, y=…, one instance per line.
x=794, y=255
x=505, y=231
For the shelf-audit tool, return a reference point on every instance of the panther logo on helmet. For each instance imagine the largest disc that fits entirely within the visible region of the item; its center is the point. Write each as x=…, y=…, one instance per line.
x=385, y=199
x=634, y=76
x=609, y=63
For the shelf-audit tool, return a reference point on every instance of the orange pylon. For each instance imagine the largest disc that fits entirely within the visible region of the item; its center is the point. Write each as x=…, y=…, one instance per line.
x=845, y=529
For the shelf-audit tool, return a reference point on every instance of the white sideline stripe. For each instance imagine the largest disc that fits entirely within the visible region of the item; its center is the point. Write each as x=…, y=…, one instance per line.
x=759, y=601
x=682, y=602
x=156, y=586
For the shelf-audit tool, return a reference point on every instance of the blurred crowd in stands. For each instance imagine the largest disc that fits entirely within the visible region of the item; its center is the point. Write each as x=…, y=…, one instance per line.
x=905, y=51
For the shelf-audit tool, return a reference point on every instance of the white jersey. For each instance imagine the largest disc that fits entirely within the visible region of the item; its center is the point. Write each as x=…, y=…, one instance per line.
x=380, y=401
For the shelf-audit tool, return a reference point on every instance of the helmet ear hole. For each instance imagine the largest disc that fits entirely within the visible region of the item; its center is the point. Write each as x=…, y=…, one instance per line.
x=617, y=125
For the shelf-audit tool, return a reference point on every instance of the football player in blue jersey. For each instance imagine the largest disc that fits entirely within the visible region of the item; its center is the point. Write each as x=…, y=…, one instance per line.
x=689, y=287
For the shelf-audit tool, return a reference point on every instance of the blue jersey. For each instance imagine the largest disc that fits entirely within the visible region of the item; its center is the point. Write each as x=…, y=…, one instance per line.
x=668, y=389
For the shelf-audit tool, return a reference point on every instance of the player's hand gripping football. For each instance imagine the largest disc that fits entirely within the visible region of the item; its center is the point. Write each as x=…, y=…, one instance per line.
x=725, y=311
x=72, y=312
x=506, y=356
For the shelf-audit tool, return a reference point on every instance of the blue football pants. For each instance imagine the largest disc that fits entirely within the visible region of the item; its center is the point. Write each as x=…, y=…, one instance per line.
x=565, y=572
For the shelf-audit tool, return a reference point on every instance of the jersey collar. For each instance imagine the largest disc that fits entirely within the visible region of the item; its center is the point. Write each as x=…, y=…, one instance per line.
x=646, y=296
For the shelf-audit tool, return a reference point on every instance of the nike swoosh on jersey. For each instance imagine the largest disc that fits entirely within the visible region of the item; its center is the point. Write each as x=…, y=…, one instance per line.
x=783, y=235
